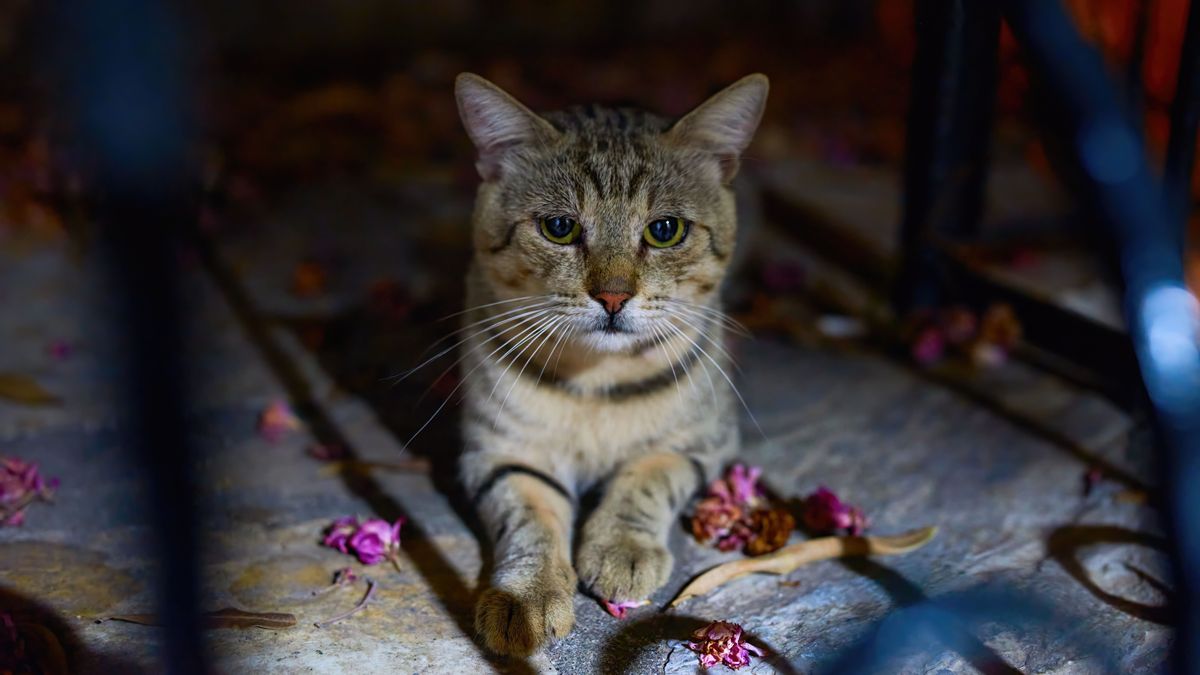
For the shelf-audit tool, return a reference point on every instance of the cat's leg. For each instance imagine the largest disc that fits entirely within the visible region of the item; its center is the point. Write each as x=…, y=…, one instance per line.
x=531, y=599
x=623, y=553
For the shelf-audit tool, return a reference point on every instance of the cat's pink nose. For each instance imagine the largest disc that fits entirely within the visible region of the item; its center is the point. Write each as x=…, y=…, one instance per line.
x=613, y=301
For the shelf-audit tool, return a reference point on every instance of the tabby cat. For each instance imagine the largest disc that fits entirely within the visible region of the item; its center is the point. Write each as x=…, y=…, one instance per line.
x=594, y=349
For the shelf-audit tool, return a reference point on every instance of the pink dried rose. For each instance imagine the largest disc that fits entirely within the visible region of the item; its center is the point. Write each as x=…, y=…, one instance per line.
x=376, y=540
x=929, y=346
x=277, y=420
x=725, y=515
x=21, y=484
x=338, y=534
x=743, y=483
x=619, y=608
x=721, y=643
x=328, y=452
x=824, y=513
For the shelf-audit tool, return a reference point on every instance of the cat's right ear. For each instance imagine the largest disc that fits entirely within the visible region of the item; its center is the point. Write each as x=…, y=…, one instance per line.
x=496, y=122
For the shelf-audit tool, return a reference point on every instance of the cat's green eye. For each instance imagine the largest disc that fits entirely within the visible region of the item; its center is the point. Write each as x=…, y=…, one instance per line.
x=666, y=232
x=560, y=229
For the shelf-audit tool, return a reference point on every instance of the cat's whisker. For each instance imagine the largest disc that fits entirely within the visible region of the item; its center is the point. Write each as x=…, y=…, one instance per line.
x=470, y=351
x=495, y=323
x=562, y=340
x=539, y=329
x=493, y=304
x=726, y=320
x=662, y=340
x=704, y=334
x=732, y=386
x=462, y=381
x=486, y=319
x=680, y=332
x=549, y=333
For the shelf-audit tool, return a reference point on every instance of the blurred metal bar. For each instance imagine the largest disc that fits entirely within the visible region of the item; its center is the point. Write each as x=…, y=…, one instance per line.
x=1185, y=114
x=1163, y=317
x=124, y=82
x=948, y=135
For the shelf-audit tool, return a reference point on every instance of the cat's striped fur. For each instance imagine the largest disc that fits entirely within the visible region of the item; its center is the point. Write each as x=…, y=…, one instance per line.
x=561, y=394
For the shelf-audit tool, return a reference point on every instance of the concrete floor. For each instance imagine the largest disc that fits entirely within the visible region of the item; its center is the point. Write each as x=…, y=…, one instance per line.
x=910, y=451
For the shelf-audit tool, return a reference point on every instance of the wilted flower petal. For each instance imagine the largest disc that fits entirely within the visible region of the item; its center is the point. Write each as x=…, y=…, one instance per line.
x=721, y=642
x=825, y=513
x=743, y=483
x=338, y=534
x=619, y=608
x=276, y=420
x=376, y=540
x=772, y=528
x=20, y=485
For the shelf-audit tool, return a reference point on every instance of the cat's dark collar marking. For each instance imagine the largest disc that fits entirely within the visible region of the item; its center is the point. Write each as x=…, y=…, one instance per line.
x=505, y=470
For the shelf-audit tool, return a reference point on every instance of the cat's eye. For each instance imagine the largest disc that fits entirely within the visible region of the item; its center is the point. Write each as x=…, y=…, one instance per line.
x=560, y=229
x=666, y=232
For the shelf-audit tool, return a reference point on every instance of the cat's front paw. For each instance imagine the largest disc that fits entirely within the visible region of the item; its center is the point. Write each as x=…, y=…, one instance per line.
x=625, y=567
x=516, y=619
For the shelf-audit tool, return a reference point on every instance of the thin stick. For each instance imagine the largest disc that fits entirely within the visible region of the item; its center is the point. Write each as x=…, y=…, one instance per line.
x=350, y=612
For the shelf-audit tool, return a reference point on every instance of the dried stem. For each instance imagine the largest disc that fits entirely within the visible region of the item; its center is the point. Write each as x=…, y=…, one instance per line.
x=350, y=612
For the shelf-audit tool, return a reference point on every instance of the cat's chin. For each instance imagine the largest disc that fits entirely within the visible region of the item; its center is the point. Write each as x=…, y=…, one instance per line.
x=612, y=341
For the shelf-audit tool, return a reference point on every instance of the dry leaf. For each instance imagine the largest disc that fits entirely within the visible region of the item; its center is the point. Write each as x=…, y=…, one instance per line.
x=791, y=557
x=24, y=389
x=230, y=617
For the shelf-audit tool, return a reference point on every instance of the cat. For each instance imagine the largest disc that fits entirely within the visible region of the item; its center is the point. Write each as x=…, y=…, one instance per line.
x=594, y=350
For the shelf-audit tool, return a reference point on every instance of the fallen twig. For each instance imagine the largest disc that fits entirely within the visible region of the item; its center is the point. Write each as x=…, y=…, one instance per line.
x=350, y=612
x=791, y=557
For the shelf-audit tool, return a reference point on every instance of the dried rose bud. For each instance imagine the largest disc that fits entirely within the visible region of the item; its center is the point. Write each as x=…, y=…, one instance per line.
x=721, y=642
x=309, y=279
x=958, y=324
x=772, y=528
x=714, y=518
x=376, y=540
x=1000, y=327
x=620, y=608
x=338, y=534
x=328, y=452
x=21, y=484
x=276, y=420
x=929, y=346
x=739, y=536
x=824, y=513
x=743, y=483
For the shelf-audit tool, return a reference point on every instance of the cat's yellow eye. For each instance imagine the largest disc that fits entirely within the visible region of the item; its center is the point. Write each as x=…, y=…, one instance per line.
x=560, y=229
x=665, y=232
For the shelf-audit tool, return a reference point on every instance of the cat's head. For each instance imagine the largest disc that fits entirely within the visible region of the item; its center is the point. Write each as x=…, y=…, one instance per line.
x=619, y=221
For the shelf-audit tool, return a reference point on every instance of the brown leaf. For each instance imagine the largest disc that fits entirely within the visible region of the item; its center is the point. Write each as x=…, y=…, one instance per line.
x=230, y=617
x=24, y=389
x=791, y=557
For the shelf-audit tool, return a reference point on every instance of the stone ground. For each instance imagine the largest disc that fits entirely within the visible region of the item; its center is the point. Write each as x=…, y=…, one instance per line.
x=1031, y=575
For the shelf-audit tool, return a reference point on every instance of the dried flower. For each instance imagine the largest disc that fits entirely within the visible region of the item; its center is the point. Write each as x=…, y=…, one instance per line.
x=1000, y=327
x=60, y=350
x=958, y=324
x=743, y=483
x=721, y=642
x=714, y=518
x=309, y=279
x=328, y=452
x=372, y=541
x=929, y=346
x=825, y=513
x=276, y=420
x=376, y=540
x=619, y=608
x=772, y=528
x=21, y=484
x=724, y=517
x=338, y=534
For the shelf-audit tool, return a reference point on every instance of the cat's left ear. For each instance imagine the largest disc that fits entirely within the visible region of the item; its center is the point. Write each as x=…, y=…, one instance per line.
x=496, y=122
x=724, y=124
